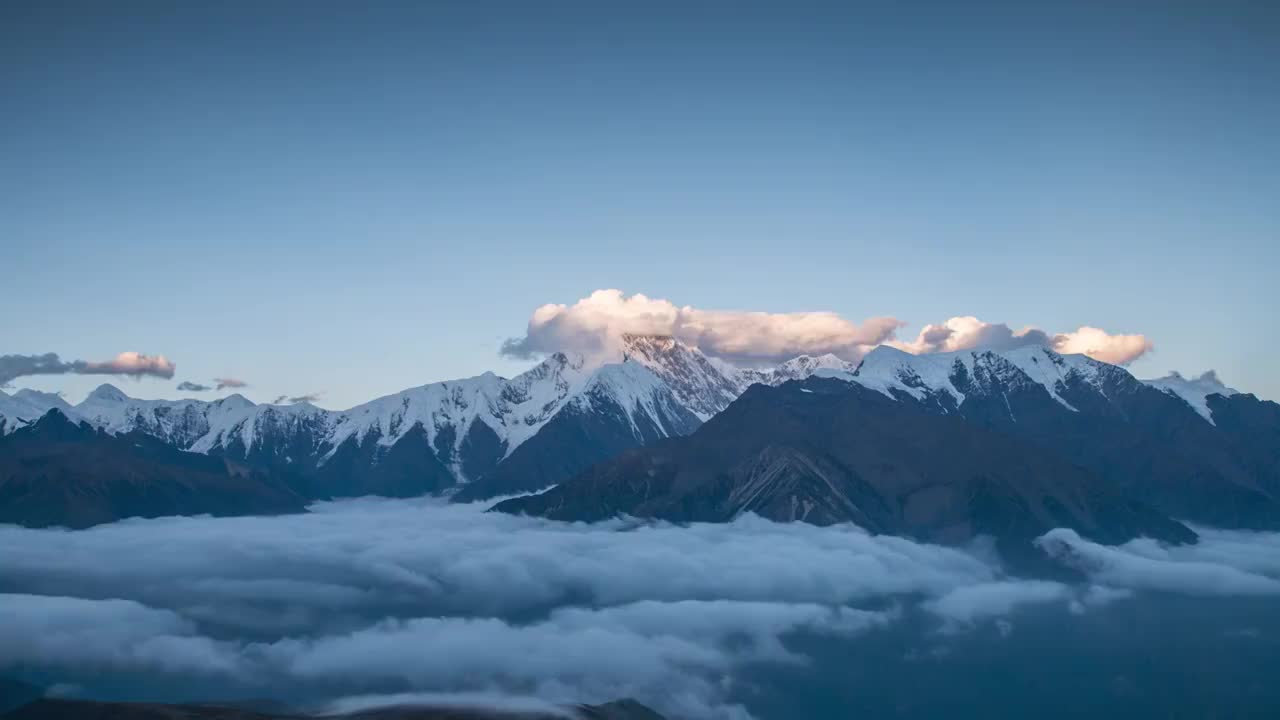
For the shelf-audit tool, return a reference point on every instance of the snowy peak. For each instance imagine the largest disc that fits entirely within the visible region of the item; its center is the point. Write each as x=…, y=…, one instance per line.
x=798, y=368
x=694, y=379
x=646, y=399
x=889, y=370
x=107, y=393
x=27, y=406
x=1194, y=391
x=982, y=372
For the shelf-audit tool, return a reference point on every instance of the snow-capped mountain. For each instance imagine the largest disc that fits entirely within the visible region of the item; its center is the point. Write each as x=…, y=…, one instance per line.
x=179, y=422
x=1195, y=391
x=431, y=437
x=702, y=386
x=946, y=379
x=707, y=385
x=1072, y=441
x=27, y=406
x=497, y=436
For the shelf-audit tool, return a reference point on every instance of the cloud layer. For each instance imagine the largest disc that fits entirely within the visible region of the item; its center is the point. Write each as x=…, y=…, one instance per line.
x=344, y=600
x=126, y=363
x=594, y=325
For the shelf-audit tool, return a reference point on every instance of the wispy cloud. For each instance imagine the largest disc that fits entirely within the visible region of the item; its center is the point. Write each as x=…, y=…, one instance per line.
x=295, y=399
x=218, y=384
x=132, y=364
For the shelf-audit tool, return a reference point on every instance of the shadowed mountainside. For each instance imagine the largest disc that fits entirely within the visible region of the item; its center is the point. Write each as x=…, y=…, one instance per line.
x=57, y=473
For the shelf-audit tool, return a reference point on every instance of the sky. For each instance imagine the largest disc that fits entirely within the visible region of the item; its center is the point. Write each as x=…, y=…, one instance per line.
x=350, y=199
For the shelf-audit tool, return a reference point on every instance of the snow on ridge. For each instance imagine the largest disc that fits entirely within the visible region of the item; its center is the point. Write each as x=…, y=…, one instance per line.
x=633, y=386
x=27, y=406
x=1194, y=391
x=886, y=369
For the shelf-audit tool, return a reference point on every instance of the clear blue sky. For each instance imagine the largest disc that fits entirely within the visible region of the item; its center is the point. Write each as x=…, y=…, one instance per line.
x=353, y=198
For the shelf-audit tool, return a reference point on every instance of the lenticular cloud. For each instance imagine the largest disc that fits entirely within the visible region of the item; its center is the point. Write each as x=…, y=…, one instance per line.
x=425, y=599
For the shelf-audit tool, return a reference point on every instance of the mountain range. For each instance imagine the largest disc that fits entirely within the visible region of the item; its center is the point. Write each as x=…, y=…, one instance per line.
x=1008, y=422
x=487, y=435
x=916, y=444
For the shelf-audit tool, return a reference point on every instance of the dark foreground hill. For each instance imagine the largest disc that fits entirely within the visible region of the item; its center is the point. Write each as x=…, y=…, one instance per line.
x=59, y=473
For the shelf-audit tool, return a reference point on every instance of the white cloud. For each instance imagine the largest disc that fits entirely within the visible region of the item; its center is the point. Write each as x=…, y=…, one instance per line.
x=64, y=632
x=131, y=363
x=1219, y=564
x=594, y=326
x=971, y=603
x=967, y=332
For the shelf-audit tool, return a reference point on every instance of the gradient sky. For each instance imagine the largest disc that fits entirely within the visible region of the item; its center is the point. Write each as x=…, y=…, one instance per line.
x=354, y=198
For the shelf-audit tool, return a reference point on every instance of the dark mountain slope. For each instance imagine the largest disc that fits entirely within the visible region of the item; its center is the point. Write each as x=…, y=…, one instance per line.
x=1147, y=442
x=828, y=451
x=57, y=473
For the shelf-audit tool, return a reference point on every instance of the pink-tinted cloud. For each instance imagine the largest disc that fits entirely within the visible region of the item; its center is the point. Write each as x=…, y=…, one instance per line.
x=130, y=363
x=593, y=326
x=966, y=332
x=127, y=363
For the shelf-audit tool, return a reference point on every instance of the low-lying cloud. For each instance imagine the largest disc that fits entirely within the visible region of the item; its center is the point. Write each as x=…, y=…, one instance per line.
x=224, y=383
x=188, y=386
x=594, y=326
x=132, y=364
x=390, y=597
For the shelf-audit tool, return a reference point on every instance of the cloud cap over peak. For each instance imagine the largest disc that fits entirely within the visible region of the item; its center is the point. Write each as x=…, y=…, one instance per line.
x=594, y=327
x=967, y=332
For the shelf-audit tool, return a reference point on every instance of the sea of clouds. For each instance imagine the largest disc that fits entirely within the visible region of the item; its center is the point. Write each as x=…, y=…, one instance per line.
x=424, y=599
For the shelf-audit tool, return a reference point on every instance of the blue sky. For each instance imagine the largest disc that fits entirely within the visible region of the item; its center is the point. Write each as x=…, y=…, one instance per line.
x=352, y=199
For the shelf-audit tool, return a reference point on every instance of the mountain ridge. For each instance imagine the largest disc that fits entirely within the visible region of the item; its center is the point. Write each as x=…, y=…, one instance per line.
x=488, y=436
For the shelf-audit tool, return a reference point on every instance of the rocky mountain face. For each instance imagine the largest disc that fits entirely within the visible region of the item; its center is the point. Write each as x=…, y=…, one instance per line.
x=826, y=451
x=623, y=406
x=54, y=472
